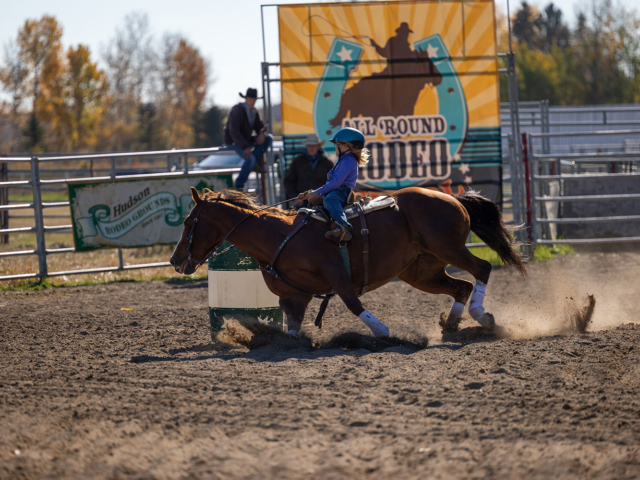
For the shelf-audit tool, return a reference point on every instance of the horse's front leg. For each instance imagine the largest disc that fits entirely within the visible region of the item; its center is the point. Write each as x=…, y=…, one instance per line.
x=338, y=277
x=294, y=308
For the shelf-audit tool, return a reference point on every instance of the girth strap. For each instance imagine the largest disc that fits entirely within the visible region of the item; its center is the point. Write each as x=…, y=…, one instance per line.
x=286, y=240
x=365, y=248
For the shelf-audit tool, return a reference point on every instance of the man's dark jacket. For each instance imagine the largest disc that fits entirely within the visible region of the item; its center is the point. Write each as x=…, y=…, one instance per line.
x=238, y=131
x=301, y=177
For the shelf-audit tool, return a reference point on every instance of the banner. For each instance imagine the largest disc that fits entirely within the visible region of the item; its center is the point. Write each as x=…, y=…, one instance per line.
x=134, y=213
x=419, y=79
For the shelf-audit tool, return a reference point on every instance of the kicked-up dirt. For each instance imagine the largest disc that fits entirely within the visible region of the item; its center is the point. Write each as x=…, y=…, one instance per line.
x=89, y=390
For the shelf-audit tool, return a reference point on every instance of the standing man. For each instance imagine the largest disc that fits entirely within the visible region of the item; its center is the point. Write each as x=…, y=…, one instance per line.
x=309, y=170
x=243, y=120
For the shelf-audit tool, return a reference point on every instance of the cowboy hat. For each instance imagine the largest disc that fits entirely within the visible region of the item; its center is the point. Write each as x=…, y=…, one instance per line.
x=251, y=93
x=312, y=139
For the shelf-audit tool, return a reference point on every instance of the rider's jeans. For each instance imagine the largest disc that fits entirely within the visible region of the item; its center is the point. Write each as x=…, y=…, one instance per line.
x=250, y=163
x=333, y=202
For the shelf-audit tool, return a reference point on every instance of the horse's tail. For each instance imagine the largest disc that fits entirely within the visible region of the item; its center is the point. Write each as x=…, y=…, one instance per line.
x=486, y=222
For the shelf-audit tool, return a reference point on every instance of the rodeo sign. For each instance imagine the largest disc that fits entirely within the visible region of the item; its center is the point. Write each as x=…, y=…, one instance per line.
x=134, y=213
x=419, y=79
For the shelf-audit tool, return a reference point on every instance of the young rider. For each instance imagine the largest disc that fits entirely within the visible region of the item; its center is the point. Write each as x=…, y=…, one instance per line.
x=341, y=180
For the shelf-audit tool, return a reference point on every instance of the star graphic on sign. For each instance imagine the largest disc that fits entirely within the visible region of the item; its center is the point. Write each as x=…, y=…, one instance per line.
x=456, y=157
x=464, y=168
x=344, y=54
x=467, y=180
x=432, y=51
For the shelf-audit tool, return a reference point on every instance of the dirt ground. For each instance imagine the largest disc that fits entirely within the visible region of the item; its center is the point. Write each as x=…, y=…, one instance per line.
x=88, y=390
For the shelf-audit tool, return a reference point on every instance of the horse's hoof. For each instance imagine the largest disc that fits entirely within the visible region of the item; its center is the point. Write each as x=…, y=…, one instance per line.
x=449, y=323
x=380, y=331
x=487, y=321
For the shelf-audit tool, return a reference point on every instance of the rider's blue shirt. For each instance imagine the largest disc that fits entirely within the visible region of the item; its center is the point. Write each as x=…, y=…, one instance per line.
x=345, y=172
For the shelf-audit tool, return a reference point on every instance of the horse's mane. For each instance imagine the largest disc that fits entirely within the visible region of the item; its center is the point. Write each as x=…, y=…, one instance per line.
x=240, y=199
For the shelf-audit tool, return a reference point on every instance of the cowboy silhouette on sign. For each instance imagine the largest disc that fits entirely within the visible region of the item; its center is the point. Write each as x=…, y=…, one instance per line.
x=394, y=91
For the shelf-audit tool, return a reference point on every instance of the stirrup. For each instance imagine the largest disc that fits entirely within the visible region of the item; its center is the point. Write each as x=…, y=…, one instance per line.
x=340, y=234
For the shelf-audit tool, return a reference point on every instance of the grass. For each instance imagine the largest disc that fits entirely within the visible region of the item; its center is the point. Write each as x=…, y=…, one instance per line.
x=544, y=253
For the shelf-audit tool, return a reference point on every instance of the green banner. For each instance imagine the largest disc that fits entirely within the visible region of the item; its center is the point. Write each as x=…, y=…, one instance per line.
x=134, y=213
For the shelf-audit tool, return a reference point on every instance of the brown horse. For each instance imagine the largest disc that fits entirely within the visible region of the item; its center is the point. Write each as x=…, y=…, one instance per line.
x=414, y=242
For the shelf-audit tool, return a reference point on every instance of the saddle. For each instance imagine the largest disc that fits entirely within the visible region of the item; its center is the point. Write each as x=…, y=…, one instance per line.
x=351, y=210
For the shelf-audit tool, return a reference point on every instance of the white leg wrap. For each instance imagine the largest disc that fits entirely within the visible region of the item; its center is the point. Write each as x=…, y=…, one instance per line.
x=476, y=309
x=378, y=328
x=293, y=333
x=456, y=309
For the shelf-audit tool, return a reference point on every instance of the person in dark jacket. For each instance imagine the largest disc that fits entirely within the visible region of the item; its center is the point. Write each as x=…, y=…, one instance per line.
x=308, y=170
x=243, y=120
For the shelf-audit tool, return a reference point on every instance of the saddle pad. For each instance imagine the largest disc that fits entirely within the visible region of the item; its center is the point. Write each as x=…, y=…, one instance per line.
x=350, y=211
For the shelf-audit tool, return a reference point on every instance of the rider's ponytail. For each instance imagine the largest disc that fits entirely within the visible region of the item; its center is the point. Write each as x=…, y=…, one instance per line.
x=362, y=154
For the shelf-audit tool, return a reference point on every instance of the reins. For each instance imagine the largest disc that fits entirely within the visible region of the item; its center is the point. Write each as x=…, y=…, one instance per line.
x=214, y=253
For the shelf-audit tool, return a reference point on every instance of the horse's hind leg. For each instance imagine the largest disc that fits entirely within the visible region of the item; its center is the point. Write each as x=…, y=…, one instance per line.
x=481, y=269
x=428, y=274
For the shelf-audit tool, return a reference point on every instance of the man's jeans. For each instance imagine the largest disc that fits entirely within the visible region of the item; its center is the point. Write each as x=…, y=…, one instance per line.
x=333, y=202
x=250, y=163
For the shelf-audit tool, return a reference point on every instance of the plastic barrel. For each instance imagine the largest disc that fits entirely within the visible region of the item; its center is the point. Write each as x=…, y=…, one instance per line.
x=237, y=289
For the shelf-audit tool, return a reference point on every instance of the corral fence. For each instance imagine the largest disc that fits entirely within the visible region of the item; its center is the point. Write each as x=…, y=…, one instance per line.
x=44, y=175
x=586, y=195
x=573, y=176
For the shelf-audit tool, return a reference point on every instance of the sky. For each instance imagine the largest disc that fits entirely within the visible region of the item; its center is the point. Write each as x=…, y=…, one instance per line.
x=228, y=33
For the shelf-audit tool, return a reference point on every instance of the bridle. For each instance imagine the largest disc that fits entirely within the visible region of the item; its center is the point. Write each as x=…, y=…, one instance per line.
x=214, y=253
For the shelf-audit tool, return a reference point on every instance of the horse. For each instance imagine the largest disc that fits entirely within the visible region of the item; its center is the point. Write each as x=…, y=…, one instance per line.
x=414, y=241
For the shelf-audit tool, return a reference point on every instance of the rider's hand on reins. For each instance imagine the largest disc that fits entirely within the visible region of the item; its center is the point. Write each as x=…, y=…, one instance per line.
x=309, y=196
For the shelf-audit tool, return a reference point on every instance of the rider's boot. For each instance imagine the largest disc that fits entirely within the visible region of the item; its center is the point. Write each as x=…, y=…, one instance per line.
x=340, y=234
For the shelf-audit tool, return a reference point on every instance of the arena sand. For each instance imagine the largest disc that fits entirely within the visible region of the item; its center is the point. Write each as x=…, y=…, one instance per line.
x=88, y=390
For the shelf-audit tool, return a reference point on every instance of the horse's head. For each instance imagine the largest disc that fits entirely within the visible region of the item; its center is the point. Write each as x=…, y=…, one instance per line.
x=199, y=236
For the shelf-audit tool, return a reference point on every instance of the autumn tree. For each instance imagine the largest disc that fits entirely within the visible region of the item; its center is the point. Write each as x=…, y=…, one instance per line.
x=86, y=94
x=40, y=50
x=184, y=77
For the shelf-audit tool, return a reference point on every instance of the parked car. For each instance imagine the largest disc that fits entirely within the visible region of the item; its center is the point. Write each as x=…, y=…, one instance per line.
x=227, y=158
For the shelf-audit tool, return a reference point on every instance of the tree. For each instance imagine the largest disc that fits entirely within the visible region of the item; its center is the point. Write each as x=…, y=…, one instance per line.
x=14, y=76
x=526, y=25
x=40, y=50
x=150, y=134
x=86, y=93
x=606, y=44
x=553, y=31
x=210, y=127
x=131, y=69
x=184, y=78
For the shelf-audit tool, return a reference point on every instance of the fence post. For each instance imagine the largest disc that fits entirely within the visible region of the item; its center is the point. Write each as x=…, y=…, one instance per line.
x=527, y=179
x=39, y=220
x=4, y=200
x=112, y=175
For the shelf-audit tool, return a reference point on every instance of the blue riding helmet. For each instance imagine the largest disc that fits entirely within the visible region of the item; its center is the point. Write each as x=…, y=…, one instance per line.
x=353, y=137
